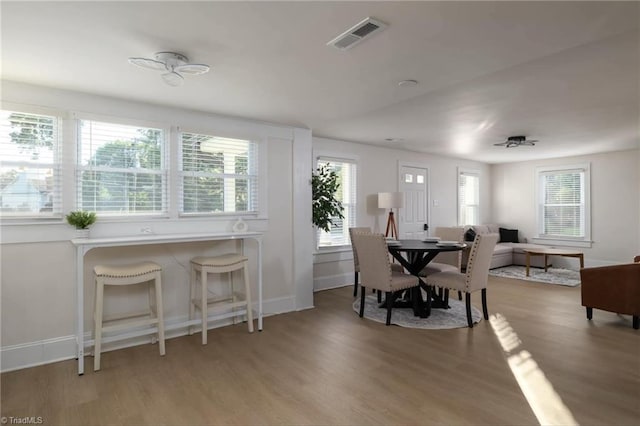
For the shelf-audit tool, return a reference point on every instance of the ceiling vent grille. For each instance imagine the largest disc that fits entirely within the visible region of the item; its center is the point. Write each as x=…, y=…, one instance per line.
x=357, y=33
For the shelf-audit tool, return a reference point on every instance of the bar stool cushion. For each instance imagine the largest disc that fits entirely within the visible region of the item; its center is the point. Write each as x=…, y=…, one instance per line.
x=126, y=271
x=220, y=261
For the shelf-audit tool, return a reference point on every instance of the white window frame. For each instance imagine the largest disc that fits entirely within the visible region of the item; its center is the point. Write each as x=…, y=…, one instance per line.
x=165, y=166
x=257, y=170
x=55, y=228
x=58, y=192
x=352, y=206
x=467, y=172
x=541, y=238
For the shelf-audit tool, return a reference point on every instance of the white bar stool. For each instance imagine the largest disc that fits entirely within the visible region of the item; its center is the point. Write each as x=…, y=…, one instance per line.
x=145, y=272
x=227, y=263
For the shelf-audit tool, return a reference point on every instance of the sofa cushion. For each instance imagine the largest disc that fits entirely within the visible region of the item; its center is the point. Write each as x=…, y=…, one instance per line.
x=508, y=235
x=502, y=248
x=481, y=229
x=520, y=247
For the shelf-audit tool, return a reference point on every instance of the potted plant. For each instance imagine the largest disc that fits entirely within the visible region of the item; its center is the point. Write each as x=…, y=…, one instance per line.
x=324, y=184
x=82, y=220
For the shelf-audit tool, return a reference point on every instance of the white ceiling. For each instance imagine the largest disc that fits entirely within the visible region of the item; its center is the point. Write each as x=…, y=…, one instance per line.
x=565, y=73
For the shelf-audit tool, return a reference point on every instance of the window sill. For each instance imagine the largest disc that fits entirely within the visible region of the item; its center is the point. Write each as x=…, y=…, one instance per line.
x=562, y=243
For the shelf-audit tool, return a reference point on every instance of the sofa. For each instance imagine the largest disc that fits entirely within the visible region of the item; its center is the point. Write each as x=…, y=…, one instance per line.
x=507, y=251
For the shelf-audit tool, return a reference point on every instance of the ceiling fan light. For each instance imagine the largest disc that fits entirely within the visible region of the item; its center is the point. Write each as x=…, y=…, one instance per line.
x=148, y=64
x=194, y=69
x=173, y=79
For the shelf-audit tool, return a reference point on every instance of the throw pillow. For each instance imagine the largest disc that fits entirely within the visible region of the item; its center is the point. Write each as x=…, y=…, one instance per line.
x=508, y=235
x=470, y=235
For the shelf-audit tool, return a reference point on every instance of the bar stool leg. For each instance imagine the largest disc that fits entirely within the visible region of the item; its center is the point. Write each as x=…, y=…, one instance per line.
x=159, y=312
x=247, y=289
x=203, y=304
x=97, y=334
x=192, y=308
x=234, y=319
x=152, y=307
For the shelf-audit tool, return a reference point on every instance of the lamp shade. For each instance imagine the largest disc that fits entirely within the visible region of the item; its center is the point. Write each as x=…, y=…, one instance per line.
x=390, y=200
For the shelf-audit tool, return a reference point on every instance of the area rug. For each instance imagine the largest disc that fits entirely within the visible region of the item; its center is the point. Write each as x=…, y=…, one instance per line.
x=557, y=276
x=455, y=317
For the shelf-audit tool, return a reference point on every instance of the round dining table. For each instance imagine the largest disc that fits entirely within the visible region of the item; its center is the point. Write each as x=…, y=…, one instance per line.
x=414, y=255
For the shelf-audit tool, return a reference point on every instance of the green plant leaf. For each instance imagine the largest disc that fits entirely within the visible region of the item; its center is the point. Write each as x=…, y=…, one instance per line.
x=324, y=185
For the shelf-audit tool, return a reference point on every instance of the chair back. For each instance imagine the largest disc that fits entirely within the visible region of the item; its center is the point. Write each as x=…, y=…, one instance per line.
x=480, y=255
x=359, y=230
x=450, y=234
x=373, y=256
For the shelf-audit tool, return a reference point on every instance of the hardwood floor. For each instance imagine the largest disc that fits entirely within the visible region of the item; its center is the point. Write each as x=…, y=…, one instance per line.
x=328, y=366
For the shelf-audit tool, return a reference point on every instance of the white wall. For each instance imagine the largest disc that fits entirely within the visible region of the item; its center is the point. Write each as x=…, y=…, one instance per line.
x=615, y=202
x=37, y=275
x=378, y=172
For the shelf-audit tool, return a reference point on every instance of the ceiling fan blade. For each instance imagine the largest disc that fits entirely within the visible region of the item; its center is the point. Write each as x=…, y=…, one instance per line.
x=151, y=64
x=501, y=144
x=173, y=79
x=193, y=69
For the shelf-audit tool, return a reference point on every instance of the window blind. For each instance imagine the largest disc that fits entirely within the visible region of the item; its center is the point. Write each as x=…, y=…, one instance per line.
x=218, y=175
x=468, y=198
x=346, y=171
x=30, y=172
x=563, y=203
x=121, y=169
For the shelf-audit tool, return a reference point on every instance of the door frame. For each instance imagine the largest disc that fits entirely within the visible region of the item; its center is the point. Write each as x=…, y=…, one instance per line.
x=402, y=164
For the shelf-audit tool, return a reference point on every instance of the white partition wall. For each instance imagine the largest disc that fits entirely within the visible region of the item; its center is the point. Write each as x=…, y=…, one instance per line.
x=37, y=263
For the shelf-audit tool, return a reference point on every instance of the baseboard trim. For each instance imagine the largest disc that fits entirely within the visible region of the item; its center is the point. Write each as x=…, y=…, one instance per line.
x=33, y=354
x=332, y=281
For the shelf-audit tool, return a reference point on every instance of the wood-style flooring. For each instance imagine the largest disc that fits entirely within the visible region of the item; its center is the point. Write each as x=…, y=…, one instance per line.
x=327, y=366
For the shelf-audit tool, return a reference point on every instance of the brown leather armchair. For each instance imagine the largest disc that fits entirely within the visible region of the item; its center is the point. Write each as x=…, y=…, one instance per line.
x=613, y=288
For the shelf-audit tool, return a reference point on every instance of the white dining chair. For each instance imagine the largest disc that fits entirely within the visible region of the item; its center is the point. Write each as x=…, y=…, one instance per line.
x=476, y=276
x=376, y=271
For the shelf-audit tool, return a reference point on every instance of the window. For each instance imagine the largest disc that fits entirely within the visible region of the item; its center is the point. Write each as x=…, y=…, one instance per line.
x=563, y=202
x=30, y=178
x=218, y=175
x=121, y=169
x=468, y=197
x=339, y=234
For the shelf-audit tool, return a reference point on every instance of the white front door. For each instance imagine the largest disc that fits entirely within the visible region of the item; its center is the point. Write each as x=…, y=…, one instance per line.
x=413, y=217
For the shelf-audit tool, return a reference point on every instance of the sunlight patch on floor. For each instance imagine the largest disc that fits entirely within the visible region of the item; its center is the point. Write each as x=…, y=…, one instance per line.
x=543, y=399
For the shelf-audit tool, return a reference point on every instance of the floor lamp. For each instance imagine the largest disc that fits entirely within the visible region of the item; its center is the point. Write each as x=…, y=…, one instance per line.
x=391, y=200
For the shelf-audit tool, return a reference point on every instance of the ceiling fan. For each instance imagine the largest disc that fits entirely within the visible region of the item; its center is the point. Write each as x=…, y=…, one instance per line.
x=513, y=141
x=173, y=63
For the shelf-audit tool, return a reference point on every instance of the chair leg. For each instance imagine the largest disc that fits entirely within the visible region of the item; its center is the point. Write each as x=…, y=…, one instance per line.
x=589, y=313
x=459, y=295
x=467, y=297
x=355, y=284
x=446, y=298
x=636, y=321
x=388, y=296
x=379, y=296
x=362, y=291
x=485, y=311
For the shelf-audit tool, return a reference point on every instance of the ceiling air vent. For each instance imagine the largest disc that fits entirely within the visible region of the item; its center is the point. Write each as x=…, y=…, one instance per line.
x=357, y=33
